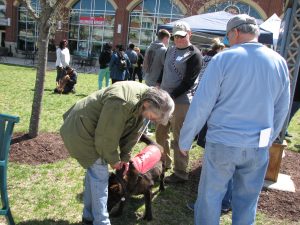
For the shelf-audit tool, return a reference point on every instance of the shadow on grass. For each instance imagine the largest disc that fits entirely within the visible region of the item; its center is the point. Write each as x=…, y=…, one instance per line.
x=49, y=90
x=81, y=95
x=52, y=90
x=79, y=197
x=130, y=211
x=19, y=65
x=47, y=222
x=297, y=146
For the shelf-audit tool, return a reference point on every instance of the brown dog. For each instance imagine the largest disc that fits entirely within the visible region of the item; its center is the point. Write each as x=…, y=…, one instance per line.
x=134, y=183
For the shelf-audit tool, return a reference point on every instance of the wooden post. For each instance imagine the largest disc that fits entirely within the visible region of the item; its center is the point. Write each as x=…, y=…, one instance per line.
x=275, y=153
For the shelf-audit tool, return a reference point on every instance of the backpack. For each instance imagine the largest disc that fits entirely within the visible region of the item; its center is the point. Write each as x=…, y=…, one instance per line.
x=122, y=62
x=133, y=57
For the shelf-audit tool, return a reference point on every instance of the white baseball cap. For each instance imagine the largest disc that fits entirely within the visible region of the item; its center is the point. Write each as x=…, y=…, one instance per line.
x=181, y=29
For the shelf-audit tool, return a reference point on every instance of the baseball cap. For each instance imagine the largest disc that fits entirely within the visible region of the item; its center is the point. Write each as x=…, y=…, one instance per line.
x=181, y=29
x=239, y=20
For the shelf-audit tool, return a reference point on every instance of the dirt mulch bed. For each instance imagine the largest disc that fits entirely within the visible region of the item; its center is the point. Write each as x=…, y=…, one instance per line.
x=45, y=148
x=281, y=204
x=49, y=148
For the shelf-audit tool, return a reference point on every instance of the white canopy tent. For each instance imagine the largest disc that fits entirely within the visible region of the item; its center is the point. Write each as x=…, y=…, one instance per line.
x=272, y=24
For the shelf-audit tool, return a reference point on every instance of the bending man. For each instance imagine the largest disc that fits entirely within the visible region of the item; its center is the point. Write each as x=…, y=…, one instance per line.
x=100, y=124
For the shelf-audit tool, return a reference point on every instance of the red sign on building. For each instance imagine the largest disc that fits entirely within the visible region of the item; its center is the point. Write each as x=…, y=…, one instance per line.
x=90, y=20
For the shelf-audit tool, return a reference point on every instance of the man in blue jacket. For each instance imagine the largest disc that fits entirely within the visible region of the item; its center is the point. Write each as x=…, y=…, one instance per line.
x=244, y=97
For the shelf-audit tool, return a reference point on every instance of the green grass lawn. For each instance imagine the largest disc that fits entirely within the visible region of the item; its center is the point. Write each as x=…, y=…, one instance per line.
x=52, y=193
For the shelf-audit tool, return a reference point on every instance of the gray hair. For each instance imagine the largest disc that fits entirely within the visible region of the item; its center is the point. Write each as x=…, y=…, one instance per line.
x=249, y=29
x=159, y=102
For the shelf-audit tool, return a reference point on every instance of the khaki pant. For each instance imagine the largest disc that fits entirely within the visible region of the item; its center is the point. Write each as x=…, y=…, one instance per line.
x=163, y=138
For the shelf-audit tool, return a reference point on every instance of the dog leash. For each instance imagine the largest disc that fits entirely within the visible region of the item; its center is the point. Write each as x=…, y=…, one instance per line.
x=120, y=179
x=142, y=130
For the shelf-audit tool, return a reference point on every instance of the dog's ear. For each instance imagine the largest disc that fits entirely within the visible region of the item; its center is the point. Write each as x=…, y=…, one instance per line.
x=132, y=171
x=131, y=166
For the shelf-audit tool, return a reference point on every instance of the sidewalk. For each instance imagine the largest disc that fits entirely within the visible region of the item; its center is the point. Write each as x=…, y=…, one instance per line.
x=24, y=62
x=50, y=65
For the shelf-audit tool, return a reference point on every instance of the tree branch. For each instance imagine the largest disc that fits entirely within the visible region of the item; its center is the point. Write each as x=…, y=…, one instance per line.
x=28, y=6
x=58, y=4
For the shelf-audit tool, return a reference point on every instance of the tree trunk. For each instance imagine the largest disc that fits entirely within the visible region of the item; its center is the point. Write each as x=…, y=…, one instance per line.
x=43, y=39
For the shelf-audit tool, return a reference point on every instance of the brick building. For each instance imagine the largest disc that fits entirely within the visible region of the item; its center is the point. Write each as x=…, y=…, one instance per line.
x=90, y=23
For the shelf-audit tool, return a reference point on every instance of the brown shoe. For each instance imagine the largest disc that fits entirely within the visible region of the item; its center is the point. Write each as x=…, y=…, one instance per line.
x=173, y=179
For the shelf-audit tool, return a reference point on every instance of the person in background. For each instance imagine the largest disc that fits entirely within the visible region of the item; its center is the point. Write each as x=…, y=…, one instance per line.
x=182, y=65
x=155, y=58
x=102, y=129
x=137, y=69
x=133, y=57
x=67, y=83
x=244, y=96
x=104, y=59
x=154, y=63
x=62, y=59
x=216, y=47
x=119, y=65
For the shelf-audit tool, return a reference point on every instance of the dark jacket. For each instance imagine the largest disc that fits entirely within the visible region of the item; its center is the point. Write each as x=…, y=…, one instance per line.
x=140, y=60
x=71, y=83
x=104, y=58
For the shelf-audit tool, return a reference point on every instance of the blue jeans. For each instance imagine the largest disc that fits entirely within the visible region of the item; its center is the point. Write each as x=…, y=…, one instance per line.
x=95, y=193
x=103, y=73
x=246, y=167
x=226, y=202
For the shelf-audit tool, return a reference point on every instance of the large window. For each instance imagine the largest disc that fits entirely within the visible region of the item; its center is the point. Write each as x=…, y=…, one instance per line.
x=2, y=9
x=234, y=7
x=145, y=18
x=27, y=28
x=91, y=25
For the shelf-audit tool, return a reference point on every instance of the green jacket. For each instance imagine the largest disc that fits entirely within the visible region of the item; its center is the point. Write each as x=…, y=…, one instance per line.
x=107, y=119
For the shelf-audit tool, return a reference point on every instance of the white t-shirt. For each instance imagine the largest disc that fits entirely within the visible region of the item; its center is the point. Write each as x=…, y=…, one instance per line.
x=62, y=57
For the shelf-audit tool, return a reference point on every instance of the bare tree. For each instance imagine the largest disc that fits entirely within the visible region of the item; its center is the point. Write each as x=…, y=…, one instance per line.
x=50, y=11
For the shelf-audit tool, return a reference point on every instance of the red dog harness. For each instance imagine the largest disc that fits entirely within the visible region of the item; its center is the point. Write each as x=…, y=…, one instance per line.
x=146, y=159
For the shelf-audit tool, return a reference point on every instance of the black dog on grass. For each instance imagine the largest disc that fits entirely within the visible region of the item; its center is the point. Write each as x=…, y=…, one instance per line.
x=121, y=185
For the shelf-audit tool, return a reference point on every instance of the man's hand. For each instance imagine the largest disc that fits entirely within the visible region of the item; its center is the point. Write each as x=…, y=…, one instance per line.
x=118, y=165
x=184, y=153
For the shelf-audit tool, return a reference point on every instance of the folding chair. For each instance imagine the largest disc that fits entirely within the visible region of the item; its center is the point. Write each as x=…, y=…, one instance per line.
x=7, y=123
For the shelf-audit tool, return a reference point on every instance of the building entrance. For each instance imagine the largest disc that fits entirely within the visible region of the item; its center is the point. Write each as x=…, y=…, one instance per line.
x=2, y=38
